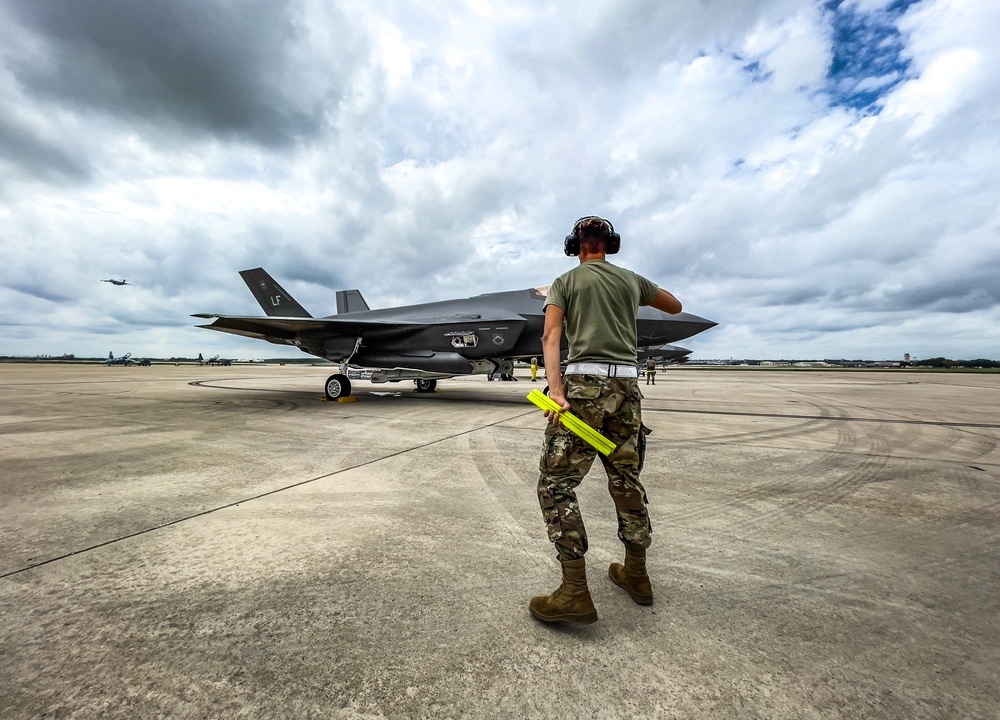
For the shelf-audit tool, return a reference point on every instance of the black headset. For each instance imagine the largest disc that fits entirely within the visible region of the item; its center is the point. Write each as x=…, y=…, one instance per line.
x=571, y=245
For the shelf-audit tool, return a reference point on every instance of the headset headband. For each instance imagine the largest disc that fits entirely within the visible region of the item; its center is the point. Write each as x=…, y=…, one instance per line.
x=607, y=223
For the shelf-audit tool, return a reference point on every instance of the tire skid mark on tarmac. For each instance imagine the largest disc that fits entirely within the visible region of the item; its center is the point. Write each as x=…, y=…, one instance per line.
x=256, y=405
x=214, y=386
x=502, y=483
x=895, y=417
x=813, y=424
x=874, y=459
x=259, y=496
x=984, y=516
x=980, y=445
x=818, y=498
x=41, y=386
x=971, y=561
x=804, y=500
x=966, y=445
x=845, y=439
x=201, y=406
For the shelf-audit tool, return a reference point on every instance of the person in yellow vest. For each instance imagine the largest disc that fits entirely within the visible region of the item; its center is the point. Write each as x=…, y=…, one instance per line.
x=534, y=369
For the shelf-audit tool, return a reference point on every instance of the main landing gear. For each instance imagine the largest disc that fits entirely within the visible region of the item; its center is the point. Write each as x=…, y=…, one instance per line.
x=425, y=386
x=337, y=386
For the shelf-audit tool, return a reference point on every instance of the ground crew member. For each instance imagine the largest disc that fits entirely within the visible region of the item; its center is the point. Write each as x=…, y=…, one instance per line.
x=650, y=371
x=534, y=369
x=598, y=302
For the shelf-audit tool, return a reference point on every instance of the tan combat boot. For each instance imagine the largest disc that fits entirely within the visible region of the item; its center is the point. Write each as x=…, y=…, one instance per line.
x=571, y=602
x=632, y=576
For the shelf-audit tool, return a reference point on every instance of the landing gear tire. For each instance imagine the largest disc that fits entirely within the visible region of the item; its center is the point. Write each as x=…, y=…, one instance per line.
x=425, y=386
x=337, y=386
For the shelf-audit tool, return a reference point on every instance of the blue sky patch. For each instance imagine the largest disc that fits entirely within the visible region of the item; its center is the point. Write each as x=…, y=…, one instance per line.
x=868, y=53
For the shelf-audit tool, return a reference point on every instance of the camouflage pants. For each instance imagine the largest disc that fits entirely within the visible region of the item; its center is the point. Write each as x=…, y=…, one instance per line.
x=612, y=406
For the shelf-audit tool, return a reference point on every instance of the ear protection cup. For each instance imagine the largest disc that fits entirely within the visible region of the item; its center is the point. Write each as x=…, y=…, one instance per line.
x=614, y=243
x=571, y=244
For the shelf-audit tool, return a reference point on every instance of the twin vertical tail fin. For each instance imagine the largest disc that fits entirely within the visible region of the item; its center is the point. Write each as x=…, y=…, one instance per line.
x=349, y=301
x=278, y=303
x=271, y=296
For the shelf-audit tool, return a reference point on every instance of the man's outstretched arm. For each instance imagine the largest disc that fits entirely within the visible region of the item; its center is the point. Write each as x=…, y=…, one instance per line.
x=666, y=302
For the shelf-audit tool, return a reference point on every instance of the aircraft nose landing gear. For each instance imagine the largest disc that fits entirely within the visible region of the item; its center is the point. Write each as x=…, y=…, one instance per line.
x=337, y=386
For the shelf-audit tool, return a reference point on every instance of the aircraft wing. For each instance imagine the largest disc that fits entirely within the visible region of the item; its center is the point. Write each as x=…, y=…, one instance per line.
x=256, y=326
x=265, y=327
x=338, y=335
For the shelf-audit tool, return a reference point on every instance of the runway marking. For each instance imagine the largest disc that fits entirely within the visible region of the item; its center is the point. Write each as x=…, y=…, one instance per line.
x=161, y=526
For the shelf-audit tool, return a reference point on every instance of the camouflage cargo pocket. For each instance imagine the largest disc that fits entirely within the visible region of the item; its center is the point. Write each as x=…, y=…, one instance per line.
x=556, y=452
x=640, y=443
x=631, y=390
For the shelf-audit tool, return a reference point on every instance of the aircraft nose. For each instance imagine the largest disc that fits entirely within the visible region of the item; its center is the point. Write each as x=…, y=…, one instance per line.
x=693, y=324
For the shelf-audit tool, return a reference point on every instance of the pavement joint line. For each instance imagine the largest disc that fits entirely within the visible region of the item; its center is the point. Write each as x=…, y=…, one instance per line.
x=177, y=521
x=898, y=421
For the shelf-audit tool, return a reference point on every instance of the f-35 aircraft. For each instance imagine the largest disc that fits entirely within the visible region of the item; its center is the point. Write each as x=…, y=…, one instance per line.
x=214, y=361
x=664, y=354
x=125, y=359
x=473, y=336
x=116, y=282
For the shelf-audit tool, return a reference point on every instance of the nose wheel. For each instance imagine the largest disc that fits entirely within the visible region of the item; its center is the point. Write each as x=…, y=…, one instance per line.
x=337, y=386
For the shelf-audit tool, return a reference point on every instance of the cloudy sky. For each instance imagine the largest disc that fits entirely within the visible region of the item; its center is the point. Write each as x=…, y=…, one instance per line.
x=820, y=178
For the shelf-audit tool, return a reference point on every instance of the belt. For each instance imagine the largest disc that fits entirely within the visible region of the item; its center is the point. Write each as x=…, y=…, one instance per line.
x=603, y=369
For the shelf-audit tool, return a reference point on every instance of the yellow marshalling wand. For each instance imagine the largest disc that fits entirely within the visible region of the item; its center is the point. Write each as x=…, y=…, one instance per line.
x=574, y=424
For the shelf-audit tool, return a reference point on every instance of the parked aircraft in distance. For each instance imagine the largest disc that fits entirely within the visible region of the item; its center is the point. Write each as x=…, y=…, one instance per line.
x=125, y=359
x=480, y=335
x=665, y=353
x=116, y=282
x=214, y=361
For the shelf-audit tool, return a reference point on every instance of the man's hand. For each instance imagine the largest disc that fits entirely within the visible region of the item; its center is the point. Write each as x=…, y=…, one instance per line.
x=557, y=396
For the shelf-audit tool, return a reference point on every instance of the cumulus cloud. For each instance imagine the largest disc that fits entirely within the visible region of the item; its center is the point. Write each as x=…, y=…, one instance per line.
x=817, y=177
x=232, y=69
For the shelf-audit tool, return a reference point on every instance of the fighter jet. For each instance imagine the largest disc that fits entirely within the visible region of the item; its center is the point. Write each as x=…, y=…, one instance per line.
x=480, y=335
x=214, y=361
x=116, y=282
x=664, y=354
x=125, y=359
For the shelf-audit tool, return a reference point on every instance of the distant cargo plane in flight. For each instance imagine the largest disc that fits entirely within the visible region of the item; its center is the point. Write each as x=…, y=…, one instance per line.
x=116, y=282
x=480, y=335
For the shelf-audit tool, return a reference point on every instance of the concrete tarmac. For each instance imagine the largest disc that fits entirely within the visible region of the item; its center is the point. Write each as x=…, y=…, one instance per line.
x=204, y=542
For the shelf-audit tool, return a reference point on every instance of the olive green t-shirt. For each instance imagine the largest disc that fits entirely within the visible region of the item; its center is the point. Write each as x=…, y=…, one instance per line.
x=601, y=301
